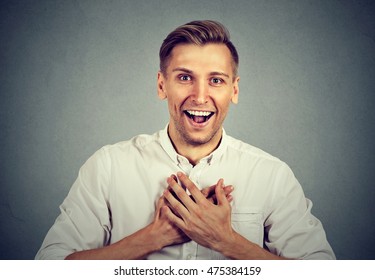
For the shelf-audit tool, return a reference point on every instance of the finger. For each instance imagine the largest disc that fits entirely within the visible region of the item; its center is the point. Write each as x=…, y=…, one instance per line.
x=209, y=194
x=190, y=186
x=220, y=194
x=158, y=206
x=212, y=196
x=228, y=190
x=180, y=193
x=165, y=202
x=173, y=218
x=174, y=177
x=179, y=208
x=209, y=191
x=159, y=203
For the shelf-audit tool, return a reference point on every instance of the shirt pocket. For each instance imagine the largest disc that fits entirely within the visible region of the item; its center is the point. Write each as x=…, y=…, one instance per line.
x=249, y=224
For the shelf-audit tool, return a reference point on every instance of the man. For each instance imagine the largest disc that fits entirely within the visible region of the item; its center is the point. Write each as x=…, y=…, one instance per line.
x=150, y=197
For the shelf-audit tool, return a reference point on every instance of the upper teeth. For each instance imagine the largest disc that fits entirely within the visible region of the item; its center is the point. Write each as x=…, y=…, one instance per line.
x=199, y=113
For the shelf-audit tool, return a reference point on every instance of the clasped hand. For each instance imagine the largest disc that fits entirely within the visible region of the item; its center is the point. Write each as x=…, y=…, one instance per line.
x=204, y=219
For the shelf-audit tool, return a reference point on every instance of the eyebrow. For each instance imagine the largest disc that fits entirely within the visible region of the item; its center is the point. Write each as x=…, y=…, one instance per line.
x=219, y=74
x=186, y=70
x=182, y=69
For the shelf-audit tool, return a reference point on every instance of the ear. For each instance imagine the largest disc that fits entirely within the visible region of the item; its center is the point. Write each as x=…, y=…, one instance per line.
x=161, y=86
x=236, y=90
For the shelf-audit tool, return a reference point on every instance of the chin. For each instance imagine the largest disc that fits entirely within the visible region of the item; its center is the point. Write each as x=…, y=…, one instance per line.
x=196, y=140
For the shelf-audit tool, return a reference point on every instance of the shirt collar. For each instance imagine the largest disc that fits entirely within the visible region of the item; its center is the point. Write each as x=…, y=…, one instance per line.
x=167, y=145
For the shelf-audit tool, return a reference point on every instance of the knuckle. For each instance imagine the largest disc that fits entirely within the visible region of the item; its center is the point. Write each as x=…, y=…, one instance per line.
x=199, y=212
x=178, y=191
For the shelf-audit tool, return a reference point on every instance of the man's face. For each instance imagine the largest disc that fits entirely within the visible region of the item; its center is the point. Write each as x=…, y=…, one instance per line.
x=199, y=86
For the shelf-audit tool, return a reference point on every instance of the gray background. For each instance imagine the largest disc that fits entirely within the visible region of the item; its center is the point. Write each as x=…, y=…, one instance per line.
x=76, y=75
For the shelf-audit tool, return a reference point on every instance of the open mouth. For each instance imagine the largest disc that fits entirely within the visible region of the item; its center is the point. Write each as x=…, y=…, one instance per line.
x=199, y=116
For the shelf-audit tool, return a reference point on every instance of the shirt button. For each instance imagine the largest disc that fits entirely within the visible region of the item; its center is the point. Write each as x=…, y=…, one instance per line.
x=189, y=257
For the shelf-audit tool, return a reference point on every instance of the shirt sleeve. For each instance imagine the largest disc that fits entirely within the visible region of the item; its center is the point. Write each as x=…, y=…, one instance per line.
x=290, y=229
x=84, y=221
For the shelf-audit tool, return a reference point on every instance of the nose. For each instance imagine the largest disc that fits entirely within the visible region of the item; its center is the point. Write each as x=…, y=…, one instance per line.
x=200, y=93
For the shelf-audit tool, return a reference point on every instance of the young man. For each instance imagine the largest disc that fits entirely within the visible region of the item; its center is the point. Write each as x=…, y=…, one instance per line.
x=150, y=197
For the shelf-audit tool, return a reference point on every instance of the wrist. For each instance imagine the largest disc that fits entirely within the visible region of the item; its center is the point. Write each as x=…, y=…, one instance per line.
x=225, y=245
x=238, y=247
x=151, y=238
x=139, y=244
x=242, y=249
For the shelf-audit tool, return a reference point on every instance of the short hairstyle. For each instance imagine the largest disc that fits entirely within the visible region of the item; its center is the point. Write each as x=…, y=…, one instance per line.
x=198, y=33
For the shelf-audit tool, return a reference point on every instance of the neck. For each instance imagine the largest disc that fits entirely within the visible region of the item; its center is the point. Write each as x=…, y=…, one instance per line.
x=194, y=152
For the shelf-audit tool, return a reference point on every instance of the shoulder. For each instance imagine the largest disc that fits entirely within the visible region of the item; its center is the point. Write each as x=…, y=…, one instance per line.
x=124, y=150
x=256, y=159
x=247, y=150
x=137, y=143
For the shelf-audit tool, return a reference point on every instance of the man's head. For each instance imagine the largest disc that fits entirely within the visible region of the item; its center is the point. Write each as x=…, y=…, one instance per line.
x=199, y=80
x=198, y=33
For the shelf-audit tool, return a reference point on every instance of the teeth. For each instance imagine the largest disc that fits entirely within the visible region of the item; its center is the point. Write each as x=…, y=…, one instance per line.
x=199, y=113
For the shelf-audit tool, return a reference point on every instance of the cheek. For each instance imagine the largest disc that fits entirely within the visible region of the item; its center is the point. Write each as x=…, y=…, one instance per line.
x=177, y=99
x=174, y=105
x=223, y=104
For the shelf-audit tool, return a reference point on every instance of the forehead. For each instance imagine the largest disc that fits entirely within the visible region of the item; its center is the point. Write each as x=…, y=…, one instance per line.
x=209, y=57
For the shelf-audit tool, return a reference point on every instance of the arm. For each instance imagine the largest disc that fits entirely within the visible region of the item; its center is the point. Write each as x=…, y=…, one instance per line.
x=83, y=228
x=154, y=237
x=157, y=235
x=209, y=224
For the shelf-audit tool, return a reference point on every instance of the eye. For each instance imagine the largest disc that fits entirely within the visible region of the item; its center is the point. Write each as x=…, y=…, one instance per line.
x=184, y=78
x=216, y=81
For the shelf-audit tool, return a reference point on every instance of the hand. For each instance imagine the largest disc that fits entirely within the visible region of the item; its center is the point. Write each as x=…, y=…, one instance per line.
x=159, y=233
x=206, y=223
x=209, y=192
x=170, y=233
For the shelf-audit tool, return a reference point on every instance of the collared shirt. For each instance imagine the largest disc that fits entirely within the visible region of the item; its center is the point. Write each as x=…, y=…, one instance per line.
x=117, y=189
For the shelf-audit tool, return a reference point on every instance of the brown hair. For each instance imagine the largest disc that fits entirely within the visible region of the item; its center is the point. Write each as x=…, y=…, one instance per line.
x=198, y=33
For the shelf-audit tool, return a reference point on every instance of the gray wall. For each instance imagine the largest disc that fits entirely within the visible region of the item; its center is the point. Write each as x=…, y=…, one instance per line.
x=76, y=75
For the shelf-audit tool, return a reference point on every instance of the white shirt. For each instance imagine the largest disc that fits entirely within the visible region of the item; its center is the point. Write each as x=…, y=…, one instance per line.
x=117, y=189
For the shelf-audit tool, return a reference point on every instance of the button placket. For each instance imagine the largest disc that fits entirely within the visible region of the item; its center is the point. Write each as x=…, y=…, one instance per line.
x=189, y=250
x=184, y=165
x=196, y=173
